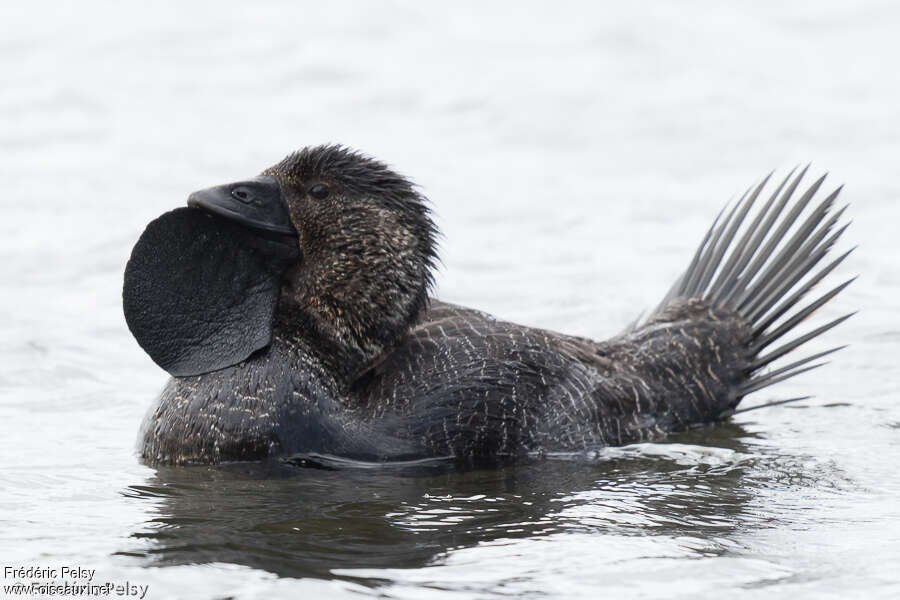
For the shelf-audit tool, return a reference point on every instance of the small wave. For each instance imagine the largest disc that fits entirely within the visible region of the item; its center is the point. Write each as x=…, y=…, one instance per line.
x=681, y=454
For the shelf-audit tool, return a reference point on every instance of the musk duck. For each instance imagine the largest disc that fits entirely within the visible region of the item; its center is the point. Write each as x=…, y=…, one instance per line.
x=293, y=312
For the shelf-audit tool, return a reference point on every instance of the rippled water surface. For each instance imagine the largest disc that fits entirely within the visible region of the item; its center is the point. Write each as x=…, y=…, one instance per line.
x=573, y=158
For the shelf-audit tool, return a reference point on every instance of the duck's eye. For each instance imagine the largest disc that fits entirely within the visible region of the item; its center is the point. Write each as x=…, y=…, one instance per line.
x=319, y=191
x=241, y=193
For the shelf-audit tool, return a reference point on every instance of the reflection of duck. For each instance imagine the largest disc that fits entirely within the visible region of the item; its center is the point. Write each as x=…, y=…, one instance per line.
x=320, y=523
x=293, y=311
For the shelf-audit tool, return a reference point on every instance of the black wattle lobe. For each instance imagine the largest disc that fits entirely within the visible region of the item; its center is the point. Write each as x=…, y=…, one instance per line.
x=200, y=290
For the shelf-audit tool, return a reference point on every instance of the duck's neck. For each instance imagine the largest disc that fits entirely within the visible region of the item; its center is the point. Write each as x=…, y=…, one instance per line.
x=349, y=322
x=330, y=341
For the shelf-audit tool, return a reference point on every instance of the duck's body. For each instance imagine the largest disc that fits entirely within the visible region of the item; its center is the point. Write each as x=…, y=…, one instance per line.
x=456, y=383
x=460, y=384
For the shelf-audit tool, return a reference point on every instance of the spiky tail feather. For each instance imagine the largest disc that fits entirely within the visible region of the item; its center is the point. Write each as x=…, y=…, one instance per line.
x=762, y=272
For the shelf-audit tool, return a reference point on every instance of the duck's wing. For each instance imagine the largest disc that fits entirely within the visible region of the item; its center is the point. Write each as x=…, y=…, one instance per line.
x=477, y=388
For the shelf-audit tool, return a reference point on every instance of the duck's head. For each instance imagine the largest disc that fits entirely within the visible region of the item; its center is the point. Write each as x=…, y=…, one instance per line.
x=327, y=238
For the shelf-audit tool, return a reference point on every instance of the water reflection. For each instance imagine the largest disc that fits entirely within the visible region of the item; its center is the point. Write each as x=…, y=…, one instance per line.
x=303, y=522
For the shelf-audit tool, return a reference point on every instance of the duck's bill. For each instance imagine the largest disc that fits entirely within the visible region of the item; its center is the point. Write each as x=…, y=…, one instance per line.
x=257, y=204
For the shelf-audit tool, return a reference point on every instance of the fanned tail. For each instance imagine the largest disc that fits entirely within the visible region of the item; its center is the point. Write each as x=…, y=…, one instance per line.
x=764, y=270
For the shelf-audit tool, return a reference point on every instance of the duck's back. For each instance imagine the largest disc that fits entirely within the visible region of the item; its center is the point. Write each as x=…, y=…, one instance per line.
x=484, y=390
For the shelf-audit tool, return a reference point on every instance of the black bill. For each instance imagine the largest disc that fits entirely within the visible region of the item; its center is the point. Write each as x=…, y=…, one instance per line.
x=256, y=203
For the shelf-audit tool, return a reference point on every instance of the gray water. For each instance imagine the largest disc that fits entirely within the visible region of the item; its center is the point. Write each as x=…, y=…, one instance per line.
x=574, y=155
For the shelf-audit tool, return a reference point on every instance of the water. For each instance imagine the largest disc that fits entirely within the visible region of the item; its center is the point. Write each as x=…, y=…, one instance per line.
x=573, y=159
